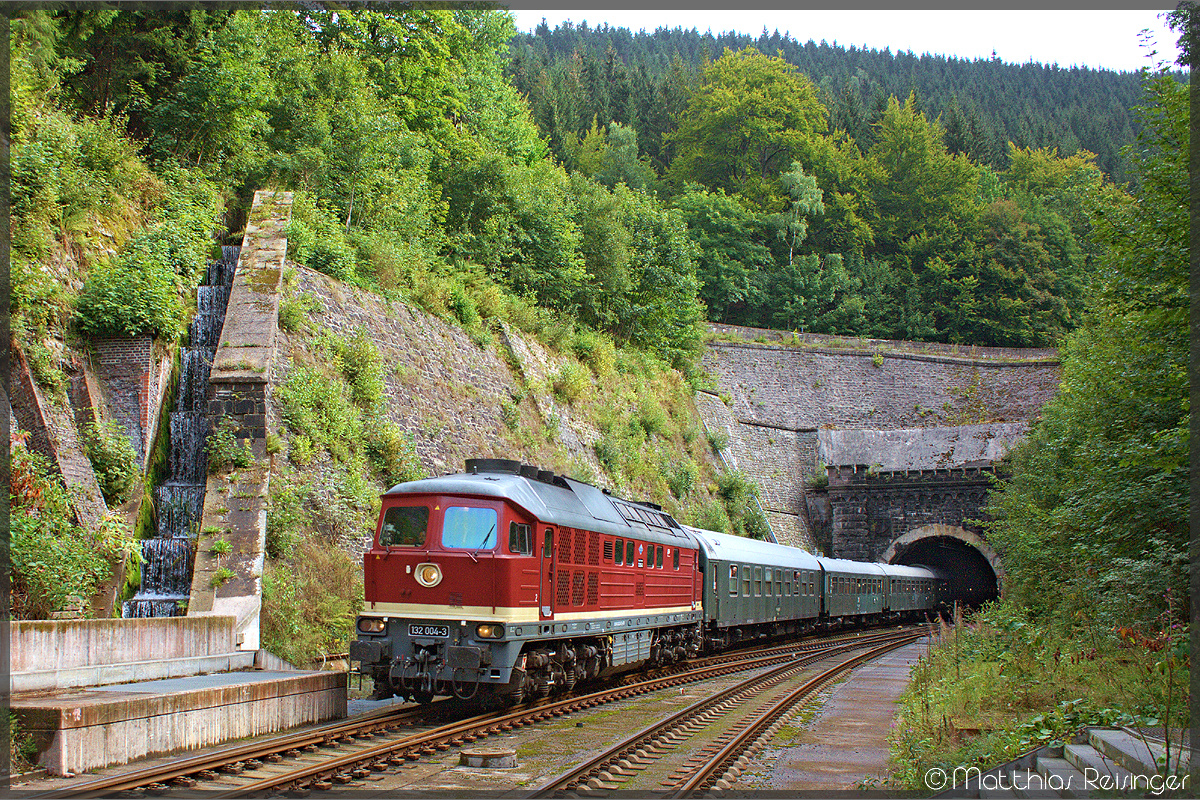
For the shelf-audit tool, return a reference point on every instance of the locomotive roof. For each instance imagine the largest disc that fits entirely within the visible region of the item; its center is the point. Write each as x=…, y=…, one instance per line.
x=739, y=548
x=563, y=502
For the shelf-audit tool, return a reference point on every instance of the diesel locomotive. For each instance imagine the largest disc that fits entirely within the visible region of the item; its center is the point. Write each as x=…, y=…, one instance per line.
x=508, y=582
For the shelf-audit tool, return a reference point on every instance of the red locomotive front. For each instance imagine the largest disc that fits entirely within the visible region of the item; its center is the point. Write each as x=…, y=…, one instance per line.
x=515, y=581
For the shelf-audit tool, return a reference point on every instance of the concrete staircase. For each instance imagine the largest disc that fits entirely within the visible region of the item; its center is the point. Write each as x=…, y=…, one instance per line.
x=1101, y=762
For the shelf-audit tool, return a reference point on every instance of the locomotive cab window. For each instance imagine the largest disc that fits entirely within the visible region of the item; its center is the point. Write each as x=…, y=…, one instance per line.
x=520, y=539
x=465, y=528
x=548, y=544
x=404, y=526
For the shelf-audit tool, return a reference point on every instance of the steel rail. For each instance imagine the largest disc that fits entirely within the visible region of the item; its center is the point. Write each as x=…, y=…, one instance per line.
x=442, y=737
x=719, y=764
x=576, y=775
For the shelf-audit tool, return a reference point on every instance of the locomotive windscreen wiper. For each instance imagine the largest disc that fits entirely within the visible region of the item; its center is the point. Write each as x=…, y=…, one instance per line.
x=486, y=536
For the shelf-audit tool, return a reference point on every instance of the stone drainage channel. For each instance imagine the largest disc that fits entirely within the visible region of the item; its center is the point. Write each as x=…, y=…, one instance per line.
x=397, y=745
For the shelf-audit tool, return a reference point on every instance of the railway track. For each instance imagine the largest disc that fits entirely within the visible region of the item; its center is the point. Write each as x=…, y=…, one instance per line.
x=718, y=764
x=325, y=756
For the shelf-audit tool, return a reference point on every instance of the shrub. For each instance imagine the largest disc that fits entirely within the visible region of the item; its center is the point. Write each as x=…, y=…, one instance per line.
x=320, y=408
x=310, y=603
x=681, y=478
x=53, y=561
x=113, y=459
x=225, y=450
x=717, y=440
x=711, y=516
x=595, y=350
x=463, y=306
x=140, y=292
x=569, y=383
x=362, y=368
x=128, y=299
x=393, y=452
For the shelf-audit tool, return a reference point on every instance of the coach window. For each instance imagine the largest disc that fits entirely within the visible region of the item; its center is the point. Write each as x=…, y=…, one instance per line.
x=779, y=582
x=733, y=580
x=745, y=580
x=768, y=586
x=758, y=581
x=619, y=552
x=629, y=553
x=520, y=539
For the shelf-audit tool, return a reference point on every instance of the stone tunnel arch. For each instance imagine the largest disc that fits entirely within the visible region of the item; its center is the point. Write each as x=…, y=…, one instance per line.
x=971, y=564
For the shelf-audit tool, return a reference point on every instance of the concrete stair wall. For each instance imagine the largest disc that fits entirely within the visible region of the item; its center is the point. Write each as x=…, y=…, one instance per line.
x=51, y=655
x=1102, y=762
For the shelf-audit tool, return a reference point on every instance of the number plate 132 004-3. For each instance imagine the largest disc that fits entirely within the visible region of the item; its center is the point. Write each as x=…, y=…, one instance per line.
x=429, y=630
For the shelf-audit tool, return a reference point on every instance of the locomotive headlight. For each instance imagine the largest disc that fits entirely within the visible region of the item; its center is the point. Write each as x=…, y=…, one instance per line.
x=371, y=625
x=428, y=574
x=489, y=631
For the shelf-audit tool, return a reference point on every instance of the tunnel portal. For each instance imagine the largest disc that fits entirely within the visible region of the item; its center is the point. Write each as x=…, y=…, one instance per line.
x=972, y=581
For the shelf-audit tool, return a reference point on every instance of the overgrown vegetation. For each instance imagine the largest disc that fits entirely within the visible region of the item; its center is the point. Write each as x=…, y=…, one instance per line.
x=113, y=460
x=1092, y=525
x=56, y=565
x=310, y=603
x=1004, y=682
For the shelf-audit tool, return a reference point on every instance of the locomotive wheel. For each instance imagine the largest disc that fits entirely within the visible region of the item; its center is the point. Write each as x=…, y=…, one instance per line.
x=424, y=698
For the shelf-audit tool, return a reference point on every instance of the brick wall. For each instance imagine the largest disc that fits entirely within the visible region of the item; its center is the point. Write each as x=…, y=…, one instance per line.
x=129, y=371
x=869, y=511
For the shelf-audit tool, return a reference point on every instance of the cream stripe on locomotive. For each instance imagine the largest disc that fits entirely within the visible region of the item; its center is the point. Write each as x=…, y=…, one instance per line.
x=512, y=615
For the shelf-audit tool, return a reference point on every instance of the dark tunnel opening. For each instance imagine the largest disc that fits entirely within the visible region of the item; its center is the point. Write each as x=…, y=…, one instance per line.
x=971, y=579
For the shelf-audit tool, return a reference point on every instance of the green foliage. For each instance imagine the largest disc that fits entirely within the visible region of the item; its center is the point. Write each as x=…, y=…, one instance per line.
x=360, y=365
x=295, y=313
x=750, y=118
x=393, y=453
x=141, y=291
x=739, y=496
x=225, y=450
x=54, y=563
x=681, y=478
x=1101, y=484
x=570, y=382
x=321, y=409
x=22, y=749
x=310, y=602
x=221, y=547
x=113, y=460
x=1001, y=684
x=220, y=577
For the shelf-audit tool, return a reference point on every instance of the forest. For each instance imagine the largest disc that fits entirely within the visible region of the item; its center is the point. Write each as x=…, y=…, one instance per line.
x=629, y=188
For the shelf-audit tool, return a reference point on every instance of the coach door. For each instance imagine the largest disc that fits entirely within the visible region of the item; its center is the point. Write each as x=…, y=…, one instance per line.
x=546, y=587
